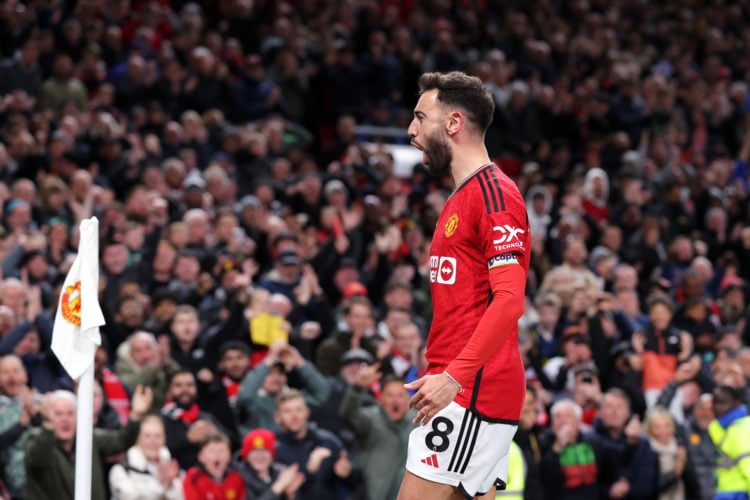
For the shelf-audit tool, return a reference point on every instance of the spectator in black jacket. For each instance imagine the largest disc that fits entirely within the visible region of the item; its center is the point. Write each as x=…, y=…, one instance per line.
x=185, y=423
x=318, y=453
x=619, y=432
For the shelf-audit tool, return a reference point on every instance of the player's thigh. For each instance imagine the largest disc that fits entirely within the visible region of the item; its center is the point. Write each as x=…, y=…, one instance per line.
x=490, y=495
x=417, y=488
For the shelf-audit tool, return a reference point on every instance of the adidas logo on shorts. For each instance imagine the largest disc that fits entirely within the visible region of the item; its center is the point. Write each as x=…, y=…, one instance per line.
x=431, y=461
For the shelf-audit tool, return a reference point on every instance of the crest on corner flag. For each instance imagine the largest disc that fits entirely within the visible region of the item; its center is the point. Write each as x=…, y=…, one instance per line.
x=75, y=334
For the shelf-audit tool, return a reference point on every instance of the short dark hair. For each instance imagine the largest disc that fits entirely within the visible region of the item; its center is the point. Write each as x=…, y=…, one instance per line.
x=466, y=92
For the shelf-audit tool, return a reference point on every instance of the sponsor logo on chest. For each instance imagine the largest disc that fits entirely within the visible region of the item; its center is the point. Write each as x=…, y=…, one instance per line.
x=442, y=270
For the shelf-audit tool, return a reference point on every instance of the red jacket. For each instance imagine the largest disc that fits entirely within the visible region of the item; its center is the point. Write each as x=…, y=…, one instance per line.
x=198, y=485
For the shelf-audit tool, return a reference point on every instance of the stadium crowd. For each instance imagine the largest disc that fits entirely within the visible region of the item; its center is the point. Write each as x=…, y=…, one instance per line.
x=265, y=266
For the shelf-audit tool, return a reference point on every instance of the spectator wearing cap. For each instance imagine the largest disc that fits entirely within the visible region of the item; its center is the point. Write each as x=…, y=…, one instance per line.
x=299, y=283
x=254, y=95
x=256, y=399
x=17, y=216
x=264, y=478
x=661, y=347
x=327, y=415
x=586, y=390
x=382, y=431
x=575, y=347
x=620, y=433
x=359, y=332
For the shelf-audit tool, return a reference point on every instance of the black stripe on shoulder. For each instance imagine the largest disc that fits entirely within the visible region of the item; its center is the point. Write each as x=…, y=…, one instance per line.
x=484, y=195
x=486, y=183
x=496, y=181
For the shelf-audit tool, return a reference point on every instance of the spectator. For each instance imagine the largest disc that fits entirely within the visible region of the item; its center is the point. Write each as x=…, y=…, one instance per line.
x=571, y=466
x=141, y=360
x=382, y=431
x=62, y=87
x=18, y=407
x=259, y=389
x=186, y=425
x=693, y=435
x=328, y=415
x=264, y=478
x=661, y=346
x=213, y=478
x=527, y=440
x=49, y=473
x=359, y=332
x=620, y=432
x=148, y=471
x=317, y=453
x=672, y=458
x=729, y=434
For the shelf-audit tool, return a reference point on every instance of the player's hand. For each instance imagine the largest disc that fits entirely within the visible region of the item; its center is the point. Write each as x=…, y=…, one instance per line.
x=434, y=392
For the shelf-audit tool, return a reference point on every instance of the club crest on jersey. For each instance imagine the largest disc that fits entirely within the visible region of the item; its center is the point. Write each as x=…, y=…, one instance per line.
x=505, y=259
x=70, y=304
x=451, y=225
x=442, y=270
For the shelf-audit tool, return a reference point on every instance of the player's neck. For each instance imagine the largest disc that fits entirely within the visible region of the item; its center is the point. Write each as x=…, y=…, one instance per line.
x=465, y=166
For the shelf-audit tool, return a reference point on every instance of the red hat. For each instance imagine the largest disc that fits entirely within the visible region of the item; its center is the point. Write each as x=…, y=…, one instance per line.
x=259, y=439
x=354, y=288
x=731, y=281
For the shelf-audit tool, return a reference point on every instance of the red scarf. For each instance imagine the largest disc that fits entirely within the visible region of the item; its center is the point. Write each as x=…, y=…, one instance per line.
x=232, y=387
x=116, y=394
x=174, y=412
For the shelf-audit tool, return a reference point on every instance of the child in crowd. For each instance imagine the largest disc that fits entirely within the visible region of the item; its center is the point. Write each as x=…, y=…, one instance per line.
x=212, y=478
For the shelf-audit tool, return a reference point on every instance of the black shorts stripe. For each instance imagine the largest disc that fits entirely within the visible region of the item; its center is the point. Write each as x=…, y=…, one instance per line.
x=474, y=421
x=471, y=447
x=496, y=181
x=460, y=436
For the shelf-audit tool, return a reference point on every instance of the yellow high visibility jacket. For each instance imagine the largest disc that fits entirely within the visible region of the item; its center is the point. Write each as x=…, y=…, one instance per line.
x=733, y=447
x=516, y=475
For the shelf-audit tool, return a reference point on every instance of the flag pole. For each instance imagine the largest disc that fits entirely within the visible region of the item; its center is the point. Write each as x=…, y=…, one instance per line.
x=75, y=336
x=84, y=434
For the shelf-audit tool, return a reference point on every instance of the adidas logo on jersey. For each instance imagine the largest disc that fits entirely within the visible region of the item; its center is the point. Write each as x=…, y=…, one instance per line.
x=431, y=461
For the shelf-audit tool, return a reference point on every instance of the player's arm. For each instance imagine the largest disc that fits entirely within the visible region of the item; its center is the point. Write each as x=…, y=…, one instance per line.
x=508, y=284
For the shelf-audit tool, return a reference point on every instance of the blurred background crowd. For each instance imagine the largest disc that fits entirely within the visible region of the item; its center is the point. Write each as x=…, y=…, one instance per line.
x=265, y=236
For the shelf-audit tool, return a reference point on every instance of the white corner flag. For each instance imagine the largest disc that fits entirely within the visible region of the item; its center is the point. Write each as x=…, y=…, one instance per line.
x=75, y=334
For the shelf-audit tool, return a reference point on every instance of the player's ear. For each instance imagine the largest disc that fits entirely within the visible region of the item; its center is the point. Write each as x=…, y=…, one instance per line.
x=454, y=122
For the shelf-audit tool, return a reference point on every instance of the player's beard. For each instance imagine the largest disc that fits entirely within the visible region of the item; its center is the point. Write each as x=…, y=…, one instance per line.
x=439, y=155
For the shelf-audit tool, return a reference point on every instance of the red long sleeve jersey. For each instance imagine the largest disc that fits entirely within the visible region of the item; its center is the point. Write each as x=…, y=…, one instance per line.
x=483, y=227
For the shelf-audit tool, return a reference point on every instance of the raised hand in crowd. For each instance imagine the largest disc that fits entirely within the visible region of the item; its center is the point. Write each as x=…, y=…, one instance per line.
x=367, y=375
x=310, y=330
x=168, y=472
x=140, y=404
x=342, y=467
x=288, y=482
x=315, y=460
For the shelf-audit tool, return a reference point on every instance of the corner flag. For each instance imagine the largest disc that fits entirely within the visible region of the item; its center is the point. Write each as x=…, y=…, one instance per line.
x=75, y=334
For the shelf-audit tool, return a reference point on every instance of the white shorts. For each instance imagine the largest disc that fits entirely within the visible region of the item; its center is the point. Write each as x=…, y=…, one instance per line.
x=460, y=449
